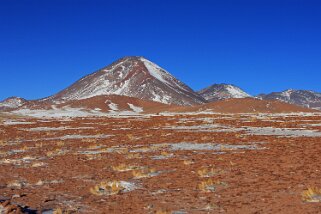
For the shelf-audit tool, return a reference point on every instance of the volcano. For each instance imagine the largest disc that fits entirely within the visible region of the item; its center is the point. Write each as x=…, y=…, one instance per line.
x=133, y=77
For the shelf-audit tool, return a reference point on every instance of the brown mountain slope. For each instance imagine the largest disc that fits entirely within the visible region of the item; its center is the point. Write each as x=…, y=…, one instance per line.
x=245, y=105
x=132, y=77
x=104, y=103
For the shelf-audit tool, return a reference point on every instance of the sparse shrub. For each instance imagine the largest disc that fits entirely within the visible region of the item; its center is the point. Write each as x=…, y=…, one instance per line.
x=144, y=173
x=166, y=154
x=60, y=211
x=37, y=164
x=54, y=152
x=107, y=188
x=60, y=143
x=188, y=162
x=162, y=212
x=39, y=145
x=311, y=195
x=134, y=156
x=145, y=149
x=24, y=148
x=122, y=151
x=16, y=184
x=206, y=186
x=207, y=172
x=124, y=168
x=93, y=156
x=130, y=136
x=57, y=211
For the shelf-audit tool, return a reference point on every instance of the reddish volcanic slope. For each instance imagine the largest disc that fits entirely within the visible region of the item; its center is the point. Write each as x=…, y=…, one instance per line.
x=246, y=105
x=116, y=103
x=221, y=92
x=133, y=77
x=12, y=103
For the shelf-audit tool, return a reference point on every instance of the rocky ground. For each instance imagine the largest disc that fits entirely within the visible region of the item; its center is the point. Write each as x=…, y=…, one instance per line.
x=204, y=163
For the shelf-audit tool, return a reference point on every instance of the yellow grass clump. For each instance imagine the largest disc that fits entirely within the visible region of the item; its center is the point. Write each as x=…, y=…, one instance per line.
x=188, y=162
x=122, y=151
x=207, y=172
x=134, y=156
x=162, y=212
x=107, y=188
x=311, y=195
x=54, y=152
x=60, y=143
x=207, y=186
x=166, y=154
x=144, y=173
x=123, y=168
x=2, y=143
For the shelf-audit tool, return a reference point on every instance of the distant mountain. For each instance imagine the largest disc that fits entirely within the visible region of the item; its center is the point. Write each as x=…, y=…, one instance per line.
x=132, y=77
x=243, y=105
x=222, y=91
x=101, y=105
x=134, y=85
x=305, y=98
x=12, y=103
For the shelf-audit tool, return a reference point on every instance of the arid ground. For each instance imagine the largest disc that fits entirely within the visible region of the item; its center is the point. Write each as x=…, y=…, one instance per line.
x=188, y=163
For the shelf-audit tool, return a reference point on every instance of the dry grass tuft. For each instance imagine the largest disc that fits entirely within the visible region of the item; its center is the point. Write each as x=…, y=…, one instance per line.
x=134, y=156
x=162, y=212
x=311, y=195
x=144, y=173
x=188, y=162
x=122, y=151
x=60, y=143
x=2, y=143
x=55, y=152
x=39, y=145
x=207, y=186
x=166, y=154
x=107, y=188
x=208, y=172
x=123, y=168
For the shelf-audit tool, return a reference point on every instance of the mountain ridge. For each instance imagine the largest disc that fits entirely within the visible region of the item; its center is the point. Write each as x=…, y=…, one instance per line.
x=137, y=77
x=222, y=91
x=133, y=77
x=305, y=98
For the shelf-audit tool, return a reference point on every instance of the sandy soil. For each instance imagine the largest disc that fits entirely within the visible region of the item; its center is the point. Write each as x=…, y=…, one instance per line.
x=216, y=163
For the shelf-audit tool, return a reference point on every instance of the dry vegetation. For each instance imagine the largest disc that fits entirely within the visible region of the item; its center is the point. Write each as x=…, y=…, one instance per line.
x=138, y=170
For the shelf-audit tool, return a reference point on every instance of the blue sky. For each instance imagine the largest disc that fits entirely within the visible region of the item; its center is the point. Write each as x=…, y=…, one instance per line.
x=261, y=46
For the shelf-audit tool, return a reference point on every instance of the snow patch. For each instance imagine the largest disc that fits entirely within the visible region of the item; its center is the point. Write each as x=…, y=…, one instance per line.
x=236, y=92
x=113, y=107
x=135, y=108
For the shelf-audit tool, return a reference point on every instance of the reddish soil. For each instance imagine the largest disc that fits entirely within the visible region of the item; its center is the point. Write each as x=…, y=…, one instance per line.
x=247, y=105
x=41, y=171
x=243, y=105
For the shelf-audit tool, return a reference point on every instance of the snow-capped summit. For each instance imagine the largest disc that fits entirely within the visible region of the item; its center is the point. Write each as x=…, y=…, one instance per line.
x=222, y=91
x=305, y=98
x=133, y=77
x=12, y=103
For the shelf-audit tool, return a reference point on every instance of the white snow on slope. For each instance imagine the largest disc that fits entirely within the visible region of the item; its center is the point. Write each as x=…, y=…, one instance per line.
x=161, y=74
x=65, y=112
x=113, y=107
x=14, y=102
x=135, y=108
x=74, y=112
x=155, y=70
x=236, y=93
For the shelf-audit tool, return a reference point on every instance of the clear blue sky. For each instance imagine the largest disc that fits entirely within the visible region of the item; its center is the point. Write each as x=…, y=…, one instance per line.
x=259, y=45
